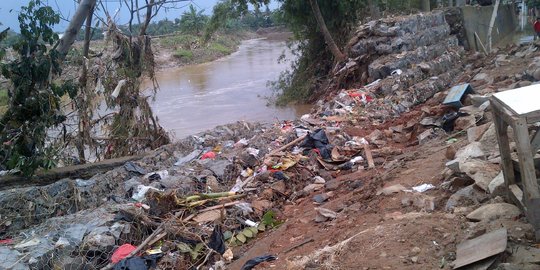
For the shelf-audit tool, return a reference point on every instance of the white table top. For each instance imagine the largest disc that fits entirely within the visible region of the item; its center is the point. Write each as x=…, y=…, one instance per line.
x=521, y=100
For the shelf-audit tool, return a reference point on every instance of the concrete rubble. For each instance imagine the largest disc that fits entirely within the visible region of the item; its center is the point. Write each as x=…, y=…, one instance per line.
x=224, y=188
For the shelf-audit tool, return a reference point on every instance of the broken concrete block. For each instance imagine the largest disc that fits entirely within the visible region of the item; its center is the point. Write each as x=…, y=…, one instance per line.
x=465, y=122
x=453, y=165
x=475, y=133
x=496, y=187
x=470, y=151
x=480, y=248
x=425, y=136
x=481, y=171
x=494, y=211
x=466, y=196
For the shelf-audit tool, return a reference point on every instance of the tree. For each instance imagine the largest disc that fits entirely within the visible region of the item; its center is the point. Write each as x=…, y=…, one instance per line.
x=193, y=21
x=324, y=30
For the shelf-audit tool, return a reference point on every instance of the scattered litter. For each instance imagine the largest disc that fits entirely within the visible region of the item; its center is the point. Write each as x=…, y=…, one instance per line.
x=140, y=192
x=208, y=155
x=257, y=260
x=29, y=243
x=121, y=252
x=189, y=157
x=156, y=176
x=423, y=188
x=132, y=167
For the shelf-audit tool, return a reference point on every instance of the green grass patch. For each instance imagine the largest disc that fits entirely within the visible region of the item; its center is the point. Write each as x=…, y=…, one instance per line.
x=4, y=99
x=181, y=53
x=220, y=48
x=183, y=40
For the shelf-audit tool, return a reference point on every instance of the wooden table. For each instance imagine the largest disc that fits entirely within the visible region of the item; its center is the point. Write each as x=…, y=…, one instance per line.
x=520, y=109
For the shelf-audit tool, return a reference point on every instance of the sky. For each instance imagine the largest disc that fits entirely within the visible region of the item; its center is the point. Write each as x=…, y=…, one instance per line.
x=9, y=10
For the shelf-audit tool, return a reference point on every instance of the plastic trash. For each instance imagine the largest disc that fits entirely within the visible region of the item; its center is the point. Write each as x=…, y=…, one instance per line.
x=252, y=151
x=396, y=72
x=140, y=193
x=209, y=155
x=245, y=208
x=138, y=263
x=121, y=252
x=357, y=159
x=119, y=86
x=132, y=167
x=257, y=260
x=156, y=176
x=423, y=187
x=217, y=242
x=189, y=157
x=318, y=140
x=241, y=143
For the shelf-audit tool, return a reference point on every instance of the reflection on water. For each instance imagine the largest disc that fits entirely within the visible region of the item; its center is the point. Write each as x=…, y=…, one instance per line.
x=195, y=98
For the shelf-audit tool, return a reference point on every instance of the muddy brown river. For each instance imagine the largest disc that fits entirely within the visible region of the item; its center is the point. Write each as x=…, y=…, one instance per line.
x=199, y=97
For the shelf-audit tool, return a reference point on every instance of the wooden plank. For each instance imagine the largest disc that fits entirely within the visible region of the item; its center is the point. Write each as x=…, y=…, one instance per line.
x=480, y=248
x=535, y=142
x=501, y=130
x=522, y=101
x=369, y=156
x=516, y=194
x=526, y=163
x=504, y=113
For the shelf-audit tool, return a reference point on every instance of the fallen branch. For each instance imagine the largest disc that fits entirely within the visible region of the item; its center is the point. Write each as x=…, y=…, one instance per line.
x=221, y=206
x=288, y=145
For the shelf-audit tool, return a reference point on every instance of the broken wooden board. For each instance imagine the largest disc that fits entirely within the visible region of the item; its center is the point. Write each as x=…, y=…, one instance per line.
x=480, y=248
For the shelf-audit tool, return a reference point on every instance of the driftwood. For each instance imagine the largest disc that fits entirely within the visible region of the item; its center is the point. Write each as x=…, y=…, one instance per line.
x=83, y=171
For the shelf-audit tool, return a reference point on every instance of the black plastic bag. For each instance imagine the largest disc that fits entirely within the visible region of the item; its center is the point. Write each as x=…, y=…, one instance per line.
x=217, y=242
x=138, y=263
x=319, y=140
x=255, y=261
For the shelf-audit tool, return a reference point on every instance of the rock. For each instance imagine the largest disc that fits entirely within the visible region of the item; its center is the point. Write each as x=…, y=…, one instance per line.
x=425, y=136
x=9, y=259
x=313, y=187
x=280, y=187
x=375, y=135
x=415, y=251
x=453, y=165
x=332, y=185
x=475, y=133
x=450, y=152
x=482, y=172
x=536, y=74
x=465, y=122
x=511, y=266
x=218, y=167
x=262, y=205
x=496, y=187
x=466, y=196
x=182, y=181
x=324, y=214
x=472, y=150
x=320, y=198
x=414, y=259
x=494, y=211
x=99, y=239
x=421, y=201
x=488, y=143
x=213, y=184
x=391, y=189
x=318, y=180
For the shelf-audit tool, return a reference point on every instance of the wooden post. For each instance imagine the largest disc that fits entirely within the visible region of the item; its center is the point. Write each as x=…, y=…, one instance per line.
x=491, y=23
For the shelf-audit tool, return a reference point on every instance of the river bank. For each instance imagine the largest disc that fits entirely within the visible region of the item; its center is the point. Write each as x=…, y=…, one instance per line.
x=362, y=182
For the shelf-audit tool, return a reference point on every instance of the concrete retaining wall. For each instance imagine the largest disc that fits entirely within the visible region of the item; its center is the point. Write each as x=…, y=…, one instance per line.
x=476, y=19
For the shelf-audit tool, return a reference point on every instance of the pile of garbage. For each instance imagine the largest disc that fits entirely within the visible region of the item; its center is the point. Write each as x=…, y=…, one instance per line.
x=406, y=59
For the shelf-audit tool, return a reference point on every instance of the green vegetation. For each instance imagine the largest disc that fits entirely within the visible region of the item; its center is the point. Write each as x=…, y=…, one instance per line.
x=4, y=99
x=182, y=53
x=193, y=21
x=217, y=47
x=34, y=106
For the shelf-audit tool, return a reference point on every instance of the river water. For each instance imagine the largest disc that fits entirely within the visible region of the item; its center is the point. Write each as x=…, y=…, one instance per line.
x=199, y=97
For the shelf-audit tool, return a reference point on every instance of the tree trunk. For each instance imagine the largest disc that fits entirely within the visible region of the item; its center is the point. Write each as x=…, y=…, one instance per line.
x=426, y=6
x=148, y=18
x=75, y=25
x=84, y=119
x=338, y=55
